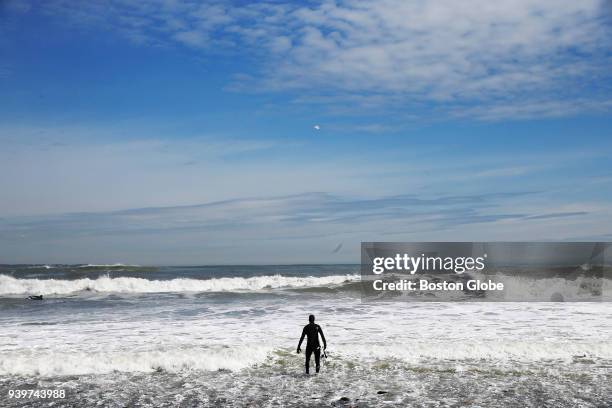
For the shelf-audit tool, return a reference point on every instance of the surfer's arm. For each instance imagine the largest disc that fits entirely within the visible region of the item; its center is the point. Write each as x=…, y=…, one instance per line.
x=322, y=337
x=301, y=340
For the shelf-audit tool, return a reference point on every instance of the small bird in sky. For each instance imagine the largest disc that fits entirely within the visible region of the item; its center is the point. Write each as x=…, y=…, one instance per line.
x=317, y=127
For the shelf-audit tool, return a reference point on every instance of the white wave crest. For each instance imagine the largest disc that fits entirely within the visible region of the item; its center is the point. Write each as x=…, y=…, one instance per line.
x=525, y=288
x=81, y=363
x=235, y=358
x=116, y=265
x=12, y=286
x=41, y=266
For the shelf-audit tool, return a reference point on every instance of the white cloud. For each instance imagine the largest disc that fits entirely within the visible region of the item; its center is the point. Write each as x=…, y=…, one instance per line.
x=442, y=50
x=445, y=52
x=51, y=169
x=536, y=109
x=192, y=38
x=297, y=228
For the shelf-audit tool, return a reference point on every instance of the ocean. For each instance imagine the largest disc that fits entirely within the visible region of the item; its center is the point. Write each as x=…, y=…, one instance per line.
x=117, y=336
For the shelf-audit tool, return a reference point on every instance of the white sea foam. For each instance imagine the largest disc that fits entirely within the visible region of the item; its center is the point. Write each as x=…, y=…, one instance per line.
x=236, y=357
x=236, y=335
x=497, y=351
x=12, y=286
x=525, y=288
x=522, y=288
x=83, y=362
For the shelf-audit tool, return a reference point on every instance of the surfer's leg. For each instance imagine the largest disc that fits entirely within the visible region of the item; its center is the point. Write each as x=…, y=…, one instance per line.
x=317, y=354
x=308, y=353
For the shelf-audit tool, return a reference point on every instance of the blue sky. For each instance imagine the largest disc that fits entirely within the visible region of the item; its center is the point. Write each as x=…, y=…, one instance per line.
x=183, y=132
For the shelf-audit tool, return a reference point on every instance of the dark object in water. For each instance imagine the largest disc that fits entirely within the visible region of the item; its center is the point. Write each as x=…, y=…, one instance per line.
x=312, y=331
x=35, y=297
x=382, y=392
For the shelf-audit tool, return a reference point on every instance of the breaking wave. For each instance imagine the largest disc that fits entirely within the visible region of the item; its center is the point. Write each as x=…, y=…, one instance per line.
x=107, y=266
x=81, y=363
x=236, y=358
x=522, y=288
x=12, y=286
x=516, y=287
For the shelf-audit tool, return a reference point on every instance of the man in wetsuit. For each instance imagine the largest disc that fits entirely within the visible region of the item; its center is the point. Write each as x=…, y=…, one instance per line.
x=312, y=331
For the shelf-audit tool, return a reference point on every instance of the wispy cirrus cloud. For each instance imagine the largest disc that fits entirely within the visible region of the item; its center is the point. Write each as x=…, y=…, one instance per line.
x=475, y=59
x=546, y=108
x=58, y=170
x=317, y=220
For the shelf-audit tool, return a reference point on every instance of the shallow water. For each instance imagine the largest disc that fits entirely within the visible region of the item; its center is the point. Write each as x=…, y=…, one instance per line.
x=237, y=347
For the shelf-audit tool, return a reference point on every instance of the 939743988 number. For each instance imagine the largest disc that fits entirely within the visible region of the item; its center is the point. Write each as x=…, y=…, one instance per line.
x=41, y=394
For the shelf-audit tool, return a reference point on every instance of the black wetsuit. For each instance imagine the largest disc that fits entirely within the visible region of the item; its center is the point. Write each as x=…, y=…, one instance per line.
x=312, y=331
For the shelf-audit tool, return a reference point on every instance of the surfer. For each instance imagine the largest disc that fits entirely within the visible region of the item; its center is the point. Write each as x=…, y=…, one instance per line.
x=35, y=297
x=312, y=331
